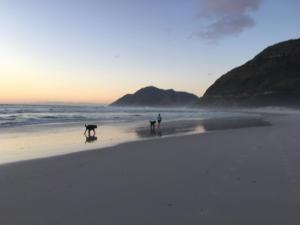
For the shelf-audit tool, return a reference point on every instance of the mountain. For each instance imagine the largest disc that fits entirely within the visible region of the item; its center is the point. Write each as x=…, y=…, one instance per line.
x=152, y=96
x=270, y=78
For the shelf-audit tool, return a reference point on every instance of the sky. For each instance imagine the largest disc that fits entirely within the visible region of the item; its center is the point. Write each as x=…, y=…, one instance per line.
x=96, y=51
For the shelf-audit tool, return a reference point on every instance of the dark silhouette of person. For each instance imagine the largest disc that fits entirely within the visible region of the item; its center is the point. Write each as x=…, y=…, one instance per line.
x=159, y=119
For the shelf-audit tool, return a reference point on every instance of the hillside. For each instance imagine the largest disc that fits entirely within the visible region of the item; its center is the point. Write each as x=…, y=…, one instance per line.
x=152, y=96
x=270, y=78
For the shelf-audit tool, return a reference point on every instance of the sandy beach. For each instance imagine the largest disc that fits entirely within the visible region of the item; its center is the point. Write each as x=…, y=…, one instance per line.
x=245, y=176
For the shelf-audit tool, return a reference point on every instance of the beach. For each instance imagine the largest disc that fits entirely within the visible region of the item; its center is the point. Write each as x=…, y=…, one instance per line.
x=247, y=176
x=41, y=131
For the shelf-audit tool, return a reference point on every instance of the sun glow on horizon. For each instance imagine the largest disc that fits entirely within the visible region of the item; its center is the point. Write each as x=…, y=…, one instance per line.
x=28, y=78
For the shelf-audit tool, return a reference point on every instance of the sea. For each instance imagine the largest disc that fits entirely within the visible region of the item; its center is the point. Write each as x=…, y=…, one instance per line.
x=37, y=131
x=24, y=115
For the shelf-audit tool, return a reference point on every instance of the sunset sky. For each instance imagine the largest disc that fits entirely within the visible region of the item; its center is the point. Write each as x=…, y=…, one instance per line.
x=96, y=51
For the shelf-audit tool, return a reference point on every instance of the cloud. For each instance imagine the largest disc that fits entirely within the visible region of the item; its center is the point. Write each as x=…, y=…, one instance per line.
x=224, y=18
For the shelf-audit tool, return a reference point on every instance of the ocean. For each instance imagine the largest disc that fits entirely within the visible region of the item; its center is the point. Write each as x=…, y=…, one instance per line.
x=20, y=115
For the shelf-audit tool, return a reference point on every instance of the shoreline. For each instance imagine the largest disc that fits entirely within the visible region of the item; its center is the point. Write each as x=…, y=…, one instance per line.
x=49, y=141
x=141, y=140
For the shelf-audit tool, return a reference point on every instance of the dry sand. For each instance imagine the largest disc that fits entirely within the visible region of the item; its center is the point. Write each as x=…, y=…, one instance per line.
x=248, y=176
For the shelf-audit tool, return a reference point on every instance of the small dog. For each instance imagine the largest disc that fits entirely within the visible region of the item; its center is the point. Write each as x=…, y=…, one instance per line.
x=90, y=128
x=152, y=124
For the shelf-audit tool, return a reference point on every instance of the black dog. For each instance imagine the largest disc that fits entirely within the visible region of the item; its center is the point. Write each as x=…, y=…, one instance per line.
x=152, y=124
x=89, y=128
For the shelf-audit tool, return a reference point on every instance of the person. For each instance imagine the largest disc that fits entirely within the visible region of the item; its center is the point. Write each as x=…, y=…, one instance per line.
x=158, y=120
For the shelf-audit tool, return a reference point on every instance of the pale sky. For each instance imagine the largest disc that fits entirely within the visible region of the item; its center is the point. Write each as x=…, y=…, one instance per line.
x=97, y=51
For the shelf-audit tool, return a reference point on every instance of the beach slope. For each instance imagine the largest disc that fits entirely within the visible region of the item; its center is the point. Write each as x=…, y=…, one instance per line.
x=240, y=176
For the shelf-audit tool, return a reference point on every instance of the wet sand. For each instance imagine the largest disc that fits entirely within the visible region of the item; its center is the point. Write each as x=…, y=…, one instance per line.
x=42, y=141
x=236, y=176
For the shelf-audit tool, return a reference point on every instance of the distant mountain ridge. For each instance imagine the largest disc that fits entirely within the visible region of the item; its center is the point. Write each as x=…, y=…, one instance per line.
x=153, y=96
x=270, y=78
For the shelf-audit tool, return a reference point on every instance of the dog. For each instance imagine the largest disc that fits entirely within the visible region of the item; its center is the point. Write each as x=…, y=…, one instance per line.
x=89, y=128
x=152, y=124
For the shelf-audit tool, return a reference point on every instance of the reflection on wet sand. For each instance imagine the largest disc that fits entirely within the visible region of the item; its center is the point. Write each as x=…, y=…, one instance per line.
x=155, y=132
x=233, y=123
x=90, y=138
x=200, y=126
x=50, y=140
x=169, y=128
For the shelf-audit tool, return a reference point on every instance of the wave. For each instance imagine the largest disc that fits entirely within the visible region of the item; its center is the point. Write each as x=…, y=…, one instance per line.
x=19, y=115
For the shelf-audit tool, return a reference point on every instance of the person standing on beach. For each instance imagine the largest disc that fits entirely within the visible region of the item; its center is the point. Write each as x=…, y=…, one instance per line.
x=158, y=120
